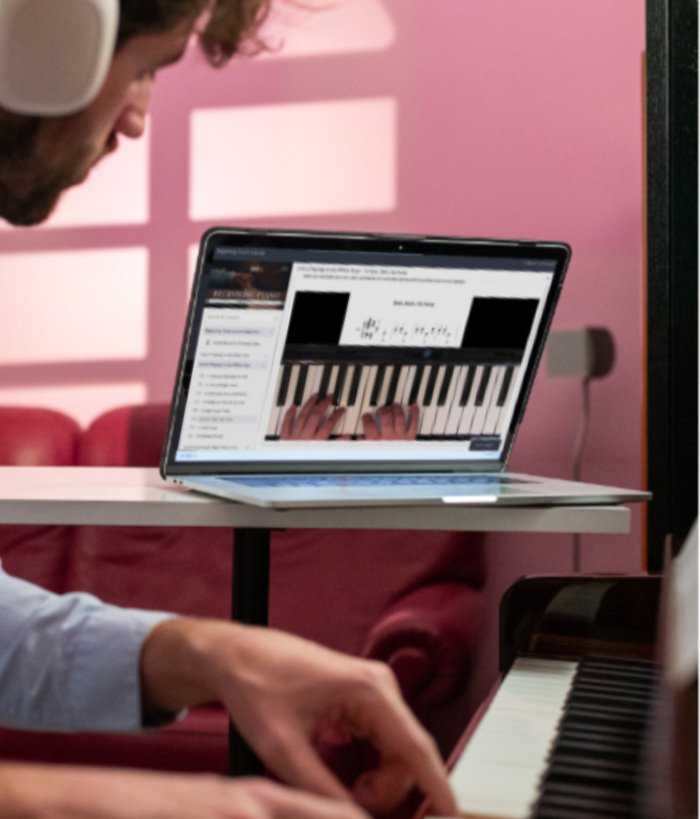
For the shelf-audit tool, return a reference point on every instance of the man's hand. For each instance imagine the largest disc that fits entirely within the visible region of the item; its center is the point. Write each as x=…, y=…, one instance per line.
x=317, y=420
x=391, y=423
x=313, y=421
x=287, y=696
x=65, y=792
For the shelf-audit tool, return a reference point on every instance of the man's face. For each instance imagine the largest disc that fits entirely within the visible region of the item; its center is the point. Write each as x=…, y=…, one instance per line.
x=40, y=159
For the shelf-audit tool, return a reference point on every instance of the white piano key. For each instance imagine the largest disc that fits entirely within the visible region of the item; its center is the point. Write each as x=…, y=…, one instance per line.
x=493, y=410
x=430, y=409
x=443, y=412
x=480, y=411
x=401, y=386
x=506, y=409
x=422, y=373
x=455, y=413
x=313, y=379
x=387, y=372
x=364, y=394
x=465, y=422
x=393, y=393
x=344, y=398
x=324, y=380
x=275, y=409
x=408, y=375
x=499, y=771
x=291, y=390
x=300, y=384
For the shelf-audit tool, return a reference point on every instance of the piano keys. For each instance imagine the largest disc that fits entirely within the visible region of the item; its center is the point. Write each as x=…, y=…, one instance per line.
x=456, y=400
x=560, y=740
x=568, y=732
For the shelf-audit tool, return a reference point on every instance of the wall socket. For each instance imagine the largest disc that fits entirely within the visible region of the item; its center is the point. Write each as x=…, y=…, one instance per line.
x=588, y=352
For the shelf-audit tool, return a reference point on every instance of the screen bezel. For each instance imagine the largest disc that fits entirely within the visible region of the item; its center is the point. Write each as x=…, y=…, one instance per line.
x=402, y=245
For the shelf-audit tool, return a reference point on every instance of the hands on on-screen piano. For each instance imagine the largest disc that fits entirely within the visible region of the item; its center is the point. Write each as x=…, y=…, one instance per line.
x=453, y=399
x=317, y=418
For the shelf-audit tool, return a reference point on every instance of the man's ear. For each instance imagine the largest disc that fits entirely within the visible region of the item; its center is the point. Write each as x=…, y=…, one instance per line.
x=54, y=54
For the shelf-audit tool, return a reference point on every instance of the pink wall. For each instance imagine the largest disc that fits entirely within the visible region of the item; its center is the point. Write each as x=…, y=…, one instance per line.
x=497, y=118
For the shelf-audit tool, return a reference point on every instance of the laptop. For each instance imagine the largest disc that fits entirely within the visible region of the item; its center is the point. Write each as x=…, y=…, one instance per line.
x=335, y=369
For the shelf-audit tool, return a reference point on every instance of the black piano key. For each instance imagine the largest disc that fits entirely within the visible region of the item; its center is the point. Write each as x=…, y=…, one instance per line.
x=415, y=387
x=595, y=733
x=579, y=758
x=505, y=384
x=339, y=384
x=639, y=669
x=596, y=803
x=301, y=383
x=614, y=693
x=561, y=812
x=616, y=665
x=605, y=703
x=393, y=384
x=355, y=385
x=430, y=386
x=605, y=717
x=377, y=386
x=585, y=791
x=481, y=392
x=325, y=378
x=466, y=390
x=601, y=776
x=284, y=385
x=599, y=810
x=615, y=681
x=445, y=387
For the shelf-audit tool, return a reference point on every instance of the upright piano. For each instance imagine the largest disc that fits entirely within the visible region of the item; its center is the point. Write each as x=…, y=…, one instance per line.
x=596, y=712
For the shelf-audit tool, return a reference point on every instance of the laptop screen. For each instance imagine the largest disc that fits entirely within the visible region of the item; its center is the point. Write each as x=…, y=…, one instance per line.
x=353, y=349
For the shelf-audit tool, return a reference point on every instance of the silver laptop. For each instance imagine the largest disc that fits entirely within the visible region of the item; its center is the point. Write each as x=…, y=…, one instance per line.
x=324, y=369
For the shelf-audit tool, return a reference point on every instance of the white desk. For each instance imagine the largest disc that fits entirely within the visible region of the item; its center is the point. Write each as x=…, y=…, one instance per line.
x=139, y=497
x=117, y=496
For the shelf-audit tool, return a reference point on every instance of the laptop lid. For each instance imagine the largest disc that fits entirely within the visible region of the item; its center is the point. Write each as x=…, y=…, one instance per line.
x=278, y=320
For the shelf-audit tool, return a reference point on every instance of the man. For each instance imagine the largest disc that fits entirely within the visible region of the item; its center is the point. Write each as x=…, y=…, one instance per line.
x=72, y=662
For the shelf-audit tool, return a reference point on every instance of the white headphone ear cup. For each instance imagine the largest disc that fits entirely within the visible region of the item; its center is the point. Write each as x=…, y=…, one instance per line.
x=54, y=54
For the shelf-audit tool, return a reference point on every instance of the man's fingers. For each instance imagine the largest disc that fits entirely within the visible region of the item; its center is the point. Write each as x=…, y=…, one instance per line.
x=382, y=789
x=325, y=430
x=288, y=422
x=403, y=743
x=297, y=763
x=413, y=419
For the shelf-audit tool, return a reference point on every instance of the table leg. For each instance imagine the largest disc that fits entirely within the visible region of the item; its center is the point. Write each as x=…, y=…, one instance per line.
x=251, y=580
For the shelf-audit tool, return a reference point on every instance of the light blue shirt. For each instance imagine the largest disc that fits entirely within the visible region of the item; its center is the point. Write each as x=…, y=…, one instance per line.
x=69, y=662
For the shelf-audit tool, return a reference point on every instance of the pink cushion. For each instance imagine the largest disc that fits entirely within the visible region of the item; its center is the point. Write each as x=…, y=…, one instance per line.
x=126, y=436
x=433, y=627
x=37, y=437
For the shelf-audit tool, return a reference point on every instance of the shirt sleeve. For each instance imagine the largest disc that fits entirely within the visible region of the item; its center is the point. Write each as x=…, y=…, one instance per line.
x=69, y=662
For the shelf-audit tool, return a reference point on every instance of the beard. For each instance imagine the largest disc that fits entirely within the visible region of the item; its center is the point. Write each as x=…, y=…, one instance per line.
x=32, y=180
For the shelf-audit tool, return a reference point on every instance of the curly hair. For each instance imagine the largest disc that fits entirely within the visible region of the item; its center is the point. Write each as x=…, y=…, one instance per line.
x=231, y=25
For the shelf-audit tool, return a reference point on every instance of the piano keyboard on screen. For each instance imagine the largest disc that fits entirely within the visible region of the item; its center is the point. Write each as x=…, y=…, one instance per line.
x=560, y=740
x=456, y=400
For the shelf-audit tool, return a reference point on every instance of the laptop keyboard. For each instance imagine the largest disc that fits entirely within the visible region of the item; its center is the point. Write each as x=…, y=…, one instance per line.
x=367, y=480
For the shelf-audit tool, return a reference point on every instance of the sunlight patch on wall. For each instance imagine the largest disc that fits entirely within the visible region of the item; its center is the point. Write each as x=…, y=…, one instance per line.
x=116, y=194
x=78, y=305
x=319, y=27
x=294, y=159
x=83, y=403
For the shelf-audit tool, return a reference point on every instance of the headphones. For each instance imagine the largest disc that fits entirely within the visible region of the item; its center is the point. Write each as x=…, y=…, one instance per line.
x=54, y=54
